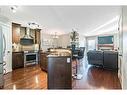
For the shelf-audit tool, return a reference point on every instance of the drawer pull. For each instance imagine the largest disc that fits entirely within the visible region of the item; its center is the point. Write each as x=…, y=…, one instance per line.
x=4, y=63
x=5, y=71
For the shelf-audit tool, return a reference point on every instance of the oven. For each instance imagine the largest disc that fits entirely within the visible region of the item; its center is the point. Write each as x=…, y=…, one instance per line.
x=30, y=58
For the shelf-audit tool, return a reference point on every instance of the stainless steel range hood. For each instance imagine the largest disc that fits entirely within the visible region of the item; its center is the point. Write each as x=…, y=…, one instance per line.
x=27, y=39
x=27, y=34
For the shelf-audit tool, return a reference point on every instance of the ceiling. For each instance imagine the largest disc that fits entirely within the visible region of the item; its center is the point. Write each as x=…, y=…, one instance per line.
x=63, y=19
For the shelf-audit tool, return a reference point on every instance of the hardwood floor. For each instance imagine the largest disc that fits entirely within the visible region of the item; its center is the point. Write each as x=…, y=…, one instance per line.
x=26, y=78
x=98, y=78
x=33, y=78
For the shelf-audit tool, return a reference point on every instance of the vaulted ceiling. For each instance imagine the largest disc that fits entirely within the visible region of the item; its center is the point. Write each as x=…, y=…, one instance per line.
x=84, y=19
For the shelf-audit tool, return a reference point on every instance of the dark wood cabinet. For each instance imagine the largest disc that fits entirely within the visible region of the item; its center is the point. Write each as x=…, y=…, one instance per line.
x=37, y=36
x=32, y=33
x=59, y=72
x=17, y=60
x=16, y=33
x=43, y=61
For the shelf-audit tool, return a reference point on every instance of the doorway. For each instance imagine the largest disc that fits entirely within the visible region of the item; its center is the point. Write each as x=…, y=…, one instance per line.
x=91, y=44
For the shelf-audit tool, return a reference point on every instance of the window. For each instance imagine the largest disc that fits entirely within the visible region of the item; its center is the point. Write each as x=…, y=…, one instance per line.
x=91, y=45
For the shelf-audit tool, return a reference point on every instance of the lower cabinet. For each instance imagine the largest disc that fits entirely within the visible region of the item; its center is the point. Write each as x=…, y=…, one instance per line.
x=17, y=60
x=43, y=61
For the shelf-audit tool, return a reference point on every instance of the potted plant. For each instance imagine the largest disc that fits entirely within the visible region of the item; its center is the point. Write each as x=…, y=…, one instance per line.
x=74, y=37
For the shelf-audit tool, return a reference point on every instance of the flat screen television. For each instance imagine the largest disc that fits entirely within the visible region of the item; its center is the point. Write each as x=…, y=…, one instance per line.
x=105, y=40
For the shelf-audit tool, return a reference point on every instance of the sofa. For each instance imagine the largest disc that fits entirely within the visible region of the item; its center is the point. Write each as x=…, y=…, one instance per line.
x=106, y=59
x=95, y=57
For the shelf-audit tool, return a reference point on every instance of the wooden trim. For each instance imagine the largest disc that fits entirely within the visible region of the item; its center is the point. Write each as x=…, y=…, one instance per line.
x=105, y=45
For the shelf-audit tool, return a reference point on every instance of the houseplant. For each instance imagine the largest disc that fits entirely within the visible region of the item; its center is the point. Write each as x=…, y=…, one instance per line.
x=74, y=36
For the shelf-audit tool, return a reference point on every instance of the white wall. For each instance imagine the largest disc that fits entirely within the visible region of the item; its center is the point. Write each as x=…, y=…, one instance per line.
x=46, y=41
x=116, y=43
x=62, y=41
x=82, y=41
x=124, y=65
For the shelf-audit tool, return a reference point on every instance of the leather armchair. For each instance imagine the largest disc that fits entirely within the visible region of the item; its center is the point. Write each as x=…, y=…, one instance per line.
x=95, y=57
x=110, y=60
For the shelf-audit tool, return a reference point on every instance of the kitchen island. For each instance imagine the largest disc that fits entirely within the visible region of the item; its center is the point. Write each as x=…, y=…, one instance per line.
x=59, y=70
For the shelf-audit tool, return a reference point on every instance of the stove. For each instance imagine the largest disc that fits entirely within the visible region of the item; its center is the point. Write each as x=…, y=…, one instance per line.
x=30, y=57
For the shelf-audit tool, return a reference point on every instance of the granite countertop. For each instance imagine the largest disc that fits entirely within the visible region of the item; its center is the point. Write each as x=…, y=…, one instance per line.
x=17, y=51
x=24, y=51
x=59, y=54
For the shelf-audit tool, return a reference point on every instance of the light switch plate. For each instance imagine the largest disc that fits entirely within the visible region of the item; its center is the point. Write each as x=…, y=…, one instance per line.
x=68, y=60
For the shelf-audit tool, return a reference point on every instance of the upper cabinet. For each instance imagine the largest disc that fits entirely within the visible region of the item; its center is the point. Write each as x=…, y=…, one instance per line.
x=19, y=32
x=37, y=36
x=16, y=33
x=32, y=33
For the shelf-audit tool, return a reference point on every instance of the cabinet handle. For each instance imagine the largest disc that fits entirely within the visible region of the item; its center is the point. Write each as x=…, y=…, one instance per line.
x=4, y=43
x=5, y=71
x=120, y=55
x=4, y=63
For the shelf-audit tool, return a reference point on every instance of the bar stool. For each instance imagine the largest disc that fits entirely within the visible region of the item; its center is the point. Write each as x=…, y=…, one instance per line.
x=77, y=55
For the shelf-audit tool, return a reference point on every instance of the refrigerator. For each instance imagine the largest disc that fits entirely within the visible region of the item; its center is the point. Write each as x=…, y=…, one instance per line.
x=1, y=57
